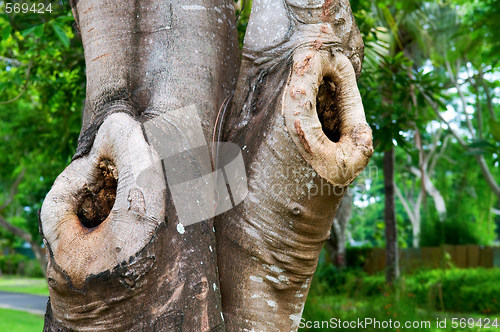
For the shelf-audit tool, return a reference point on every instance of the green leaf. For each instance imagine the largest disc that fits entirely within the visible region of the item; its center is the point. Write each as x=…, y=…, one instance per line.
x=482, y=144
x=26, y=32
x=65, y=18
x=495, y=129
x=392, y=23
x=61, y=35
x=39, y=30
x=475, y=153
x=6, y=33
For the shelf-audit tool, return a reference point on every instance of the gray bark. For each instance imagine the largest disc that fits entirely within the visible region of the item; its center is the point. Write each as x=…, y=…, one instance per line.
x=298, y=117
x=130, y=265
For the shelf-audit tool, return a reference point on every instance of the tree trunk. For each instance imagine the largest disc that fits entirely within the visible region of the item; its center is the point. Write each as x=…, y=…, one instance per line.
x=298, y=117
x=336, y=244
x=119, y=258
x=412, y=209
x=391, y=232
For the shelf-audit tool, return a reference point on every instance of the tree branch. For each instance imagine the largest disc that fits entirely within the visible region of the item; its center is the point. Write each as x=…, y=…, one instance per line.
x=14, y=62
x=16, y=230
x=490, y=180
x=488, y=96
x=406, y=206
x=495, y=211
x=462, y=97
x=432, y=191
x=421, y=159
x=28, y=73
x=13, y=190
x=438, y=155
x=430, y=156
x=436, y=110
x=487, y=175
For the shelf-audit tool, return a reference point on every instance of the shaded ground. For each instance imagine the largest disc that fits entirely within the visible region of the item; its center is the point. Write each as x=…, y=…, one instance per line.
x=35, y=304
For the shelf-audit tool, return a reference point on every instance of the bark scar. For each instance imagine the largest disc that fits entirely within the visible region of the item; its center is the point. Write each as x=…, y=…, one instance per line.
x=297, y=91
x=325, y=29
x=326, y=12
x=101, y=56
x=302, y=66
x=317, y=45
x=137, y=270
x=302, y=136
x=136, y=201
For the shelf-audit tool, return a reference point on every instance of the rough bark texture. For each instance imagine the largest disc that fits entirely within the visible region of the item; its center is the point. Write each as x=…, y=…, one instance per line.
x=336, y=244
x=298, y=118
x=118, y=258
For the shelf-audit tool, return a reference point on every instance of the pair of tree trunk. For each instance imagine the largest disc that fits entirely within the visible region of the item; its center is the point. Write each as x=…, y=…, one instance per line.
x=120, y=255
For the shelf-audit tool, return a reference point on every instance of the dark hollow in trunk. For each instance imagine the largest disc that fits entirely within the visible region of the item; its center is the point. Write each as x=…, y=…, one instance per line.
x=97, y=201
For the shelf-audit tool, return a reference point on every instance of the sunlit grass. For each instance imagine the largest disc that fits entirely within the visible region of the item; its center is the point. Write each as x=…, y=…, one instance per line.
x=36, y=286
x=18, y=321
x=335, y=309
x=337, y=297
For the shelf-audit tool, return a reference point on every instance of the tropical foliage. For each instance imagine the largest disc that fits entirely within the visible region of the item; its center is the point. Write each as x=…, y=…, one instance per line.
x=431, y=89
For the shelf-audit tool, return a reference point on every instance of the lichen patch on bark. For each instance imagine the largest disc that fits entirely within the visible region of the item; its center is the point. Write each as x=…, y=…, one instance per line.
x=304, y=64
x=302, y=137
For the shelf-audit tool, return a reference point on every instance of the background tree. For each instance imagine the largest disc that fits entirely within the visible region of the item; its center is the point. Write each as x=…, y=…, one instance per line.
x=41, y=91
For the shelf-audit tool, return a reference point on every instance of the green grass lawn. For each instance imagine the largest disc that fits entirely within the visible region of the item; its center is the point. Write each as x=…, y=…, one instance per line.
x=36, y=286
x=18, y=321
x=329, y=311
x=441, y=300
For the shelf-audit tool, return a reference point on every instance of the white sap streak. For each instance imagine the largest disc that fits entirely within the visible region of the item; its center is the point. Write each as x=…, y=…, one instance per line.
x=272, y=304
x=257, y=279
x=193, y=7
x=273, y=279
